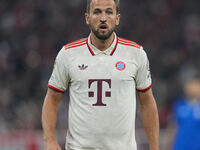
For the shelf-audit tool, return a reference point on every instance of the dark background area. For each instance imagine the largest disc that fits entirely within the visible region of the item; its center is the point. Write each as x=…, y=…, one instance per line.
x=33, y=31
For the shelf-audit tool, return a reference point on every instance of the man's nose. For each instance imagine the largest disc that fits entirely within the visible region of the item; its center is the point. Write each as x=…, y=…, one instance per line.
x=103, y=17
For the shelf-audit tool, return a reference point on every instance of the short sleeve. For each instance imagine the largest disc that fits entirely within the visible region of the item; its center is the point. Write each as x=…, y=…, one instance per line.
x=143, y=76
x=59, y=78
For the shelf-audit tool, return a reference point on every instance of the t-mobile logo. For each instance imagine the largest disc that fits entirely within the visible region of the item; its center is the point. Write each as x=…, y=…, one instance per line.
x=99, y=90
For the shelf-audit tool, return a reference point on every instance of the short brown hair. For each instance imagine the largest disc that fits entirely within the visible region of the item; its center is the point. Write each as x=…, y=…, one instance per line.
x=116, y=2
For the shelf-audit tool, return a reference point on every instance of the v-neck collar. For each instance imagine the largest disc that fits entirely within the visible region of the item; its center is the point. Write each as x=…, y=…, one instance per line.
x=109, y=51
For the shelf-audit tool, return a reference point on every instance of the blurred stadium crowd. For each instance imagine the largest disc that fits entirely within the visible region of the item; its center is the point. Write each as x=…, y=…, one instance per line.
x=33, y=31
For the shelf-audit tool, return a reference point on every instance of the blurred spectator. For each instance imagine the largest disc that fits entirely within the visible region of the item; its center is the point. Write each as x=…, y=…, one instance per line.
x=187, y=116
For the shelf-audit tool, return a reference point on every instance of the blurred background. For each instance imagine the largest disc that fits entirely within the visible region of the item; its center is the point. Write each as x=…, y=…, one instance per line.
x=33, y=31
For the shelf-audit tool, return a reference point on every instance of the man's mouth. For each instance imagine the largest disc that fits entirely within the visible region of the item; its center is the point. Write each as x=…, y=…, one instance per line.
x=103, y=27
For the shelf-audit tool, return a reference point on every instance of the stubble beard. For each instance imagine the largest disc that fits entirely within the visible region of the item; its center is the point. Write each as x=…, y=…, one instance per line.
x=101, y=36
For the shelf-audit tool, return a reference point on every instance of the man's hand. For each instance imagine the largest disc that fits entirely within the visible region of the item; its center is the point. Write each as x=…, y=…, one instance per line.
x=52, y=145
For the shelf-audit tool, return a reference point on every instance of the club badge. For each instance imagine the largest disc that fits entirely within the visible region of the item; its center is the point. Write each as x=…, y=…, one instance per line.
x=120, y=65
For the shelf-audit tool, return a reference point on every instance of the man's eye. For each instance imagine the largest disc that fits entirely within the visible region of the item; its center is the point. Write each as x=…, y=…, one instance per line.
x=96, y=12
x=109, y=12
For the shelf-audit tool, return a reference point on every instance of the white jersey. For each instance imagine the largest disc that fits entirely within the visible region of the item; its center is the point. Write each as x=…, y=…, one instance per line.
x=102, y=88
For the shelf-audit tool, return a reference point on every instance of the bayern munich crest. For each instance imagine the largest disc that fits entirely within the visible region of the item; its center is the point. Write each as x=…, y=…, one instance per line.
x=120, y=65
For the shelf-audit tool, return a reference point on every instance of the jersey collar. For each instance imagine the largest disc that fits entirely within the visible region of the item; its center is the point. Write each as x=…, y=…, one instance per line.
x=109, y=51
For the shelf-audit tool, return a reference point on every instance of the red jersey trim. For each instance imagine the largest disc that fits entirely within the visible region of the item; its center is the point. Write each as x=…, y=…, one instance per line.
x=132, y=43
x=52, y=87
x=114, y=47
x=126, y=42
x=76, y=43
x=143, y=90
x=90, y=48
x=68, y=47
x=91, y=51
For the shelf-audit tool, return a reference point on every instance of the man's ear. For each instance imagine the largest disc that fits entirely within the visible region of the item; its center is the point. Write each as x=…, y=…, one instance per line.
x=87, y=18
x=117, y=19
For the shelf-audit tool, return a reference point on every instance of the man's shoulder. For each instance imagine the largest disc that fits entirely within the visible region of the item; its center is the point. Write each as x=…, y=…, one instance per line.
x=72, y=48
x=128, y=43
x=75, y=44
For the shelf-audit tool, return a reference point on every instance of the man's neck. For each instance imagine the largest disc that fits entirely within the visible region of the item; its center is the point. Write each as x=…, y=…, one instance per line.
x=102, y=44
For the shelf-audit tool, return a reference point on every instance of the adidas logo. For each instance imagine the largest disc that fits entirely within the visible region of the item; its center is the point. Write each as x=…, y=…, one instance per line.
x=83, y=67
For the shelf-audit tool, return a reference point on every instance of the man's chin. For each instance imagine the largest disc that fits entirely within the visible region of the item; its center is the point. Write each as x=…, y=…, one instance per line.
x=103, y=35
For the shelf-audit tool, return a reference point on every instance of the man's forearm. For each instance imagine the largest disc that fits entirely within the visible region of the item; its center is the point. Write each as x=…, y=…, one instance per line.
x=151, y=123
x=49, y=119
x=49, y=116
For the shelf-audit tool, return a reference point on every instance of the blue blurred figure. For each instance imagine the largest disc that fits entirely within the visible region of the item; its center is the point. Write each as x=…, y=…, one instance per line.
x=187, y=116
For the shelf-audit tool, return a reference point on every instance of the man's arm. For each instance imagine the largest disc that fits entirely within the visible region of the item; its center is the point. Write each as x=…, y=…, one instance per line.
x=49, y=118
x=150, y=118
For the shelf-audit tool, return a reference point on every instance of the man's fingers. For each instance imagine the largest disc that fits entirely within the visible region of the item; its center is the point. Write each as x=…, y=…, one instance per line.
x=58, y=148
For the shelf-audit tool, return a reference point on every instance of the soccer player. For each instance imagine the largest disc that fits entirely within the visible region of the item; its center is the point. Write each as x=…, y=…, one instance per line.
x=104, y=73
x=187, y=117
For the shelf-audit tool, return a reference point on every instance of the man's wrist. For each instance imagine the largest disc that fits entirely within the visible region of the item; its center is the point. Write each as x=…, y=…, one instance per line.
x=49, y=138
x=154, y=147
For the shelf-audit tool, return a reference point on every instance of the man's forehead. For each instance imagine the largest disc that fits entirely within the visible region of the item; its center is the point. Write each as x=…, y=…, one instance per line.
x=103, y=4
